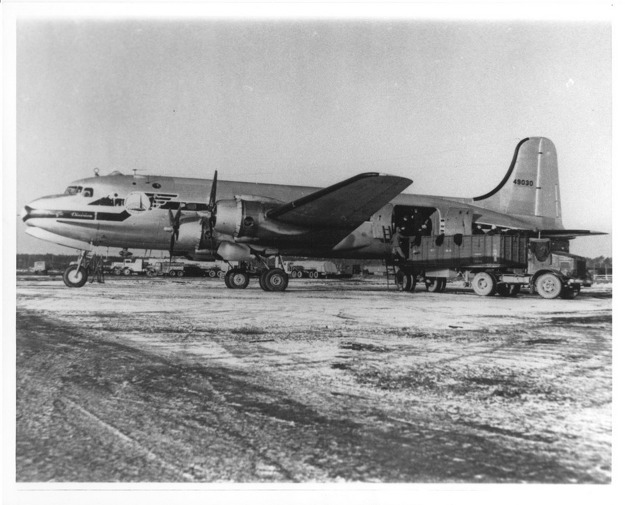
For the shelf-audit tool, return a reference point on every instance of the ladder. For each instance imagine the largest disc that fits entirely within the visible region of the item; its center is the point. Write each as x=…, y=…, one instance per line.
x=389, y=262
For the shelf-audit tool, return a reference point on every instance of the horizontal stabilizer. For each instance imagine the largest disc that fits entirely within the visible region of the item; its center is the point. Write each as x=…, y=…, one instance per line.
x=569, y=233
x=344, y=205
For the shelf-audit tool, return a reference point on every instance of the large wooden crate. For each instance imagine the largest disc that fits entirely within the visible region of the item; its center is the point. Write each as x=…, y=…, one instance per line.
x=464, y=251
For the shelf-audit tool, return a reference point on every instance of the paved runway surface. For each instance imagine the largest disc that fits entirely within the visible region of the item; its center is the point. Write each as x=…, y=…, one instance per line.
x=159, y=380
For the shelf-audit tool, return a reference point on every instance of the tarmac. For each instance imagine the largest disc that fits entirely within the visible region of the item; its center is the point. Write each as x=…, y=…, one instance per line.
x=184, y=380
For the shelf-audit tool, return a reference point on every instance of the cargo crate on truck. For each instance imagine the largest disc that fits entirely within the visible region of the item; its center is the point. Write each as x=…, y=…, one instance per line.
x=497, y=263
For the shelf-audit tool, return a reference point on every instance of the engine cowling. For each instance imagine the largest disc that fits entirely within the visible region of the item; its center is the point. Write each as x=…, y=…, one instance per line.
x=245, y=221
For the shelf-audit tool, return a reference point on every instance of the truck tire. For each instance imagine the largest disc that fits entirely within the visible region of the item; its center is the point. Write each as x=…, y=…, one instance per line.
x=299, y=274
x=212, y=273
x=75, y=277
x=180, y=273
x=172, y=273
x=293, y=274
x=484, y=284
x=315, y=275
x=126, y=272
x=404, y=281
x=116, y=271
x=440, y=285
x=549, y=286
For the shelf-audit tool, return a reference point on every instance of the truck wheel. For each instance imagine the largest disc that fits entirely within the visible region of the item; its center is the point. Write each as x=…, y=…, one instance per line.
x=315, y=275
x=484, y=284
x=116, y=271
x=276, y=280
x=440, y=285
x=239, y=279
x=75, y=277
x=180, y=273
x=404, y=281
x=126, y=272
x=299, y=274
x=549, y=286
x=293, y=274
x=212, y=273
x=172, y=273
x=508, y=290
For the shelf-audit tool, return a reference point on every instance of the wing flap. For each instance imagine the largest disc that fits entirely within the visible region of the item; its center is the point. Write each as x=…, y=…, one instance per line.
x=344, y=205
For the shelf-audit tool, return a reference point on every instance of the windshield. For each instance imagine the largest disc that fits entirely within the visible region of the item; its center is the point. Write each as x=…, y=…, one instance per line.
x=73, y=190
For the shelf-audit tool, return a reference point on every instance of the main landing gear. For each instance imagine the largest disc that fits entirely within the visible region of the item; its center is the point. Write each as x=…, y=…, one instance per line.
x=270, y=279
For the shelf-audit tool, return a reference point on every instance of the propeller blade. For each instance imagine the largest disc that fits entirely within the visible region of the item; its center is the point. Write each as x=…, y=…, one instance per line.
x=212, y=206
x=213, y=195
x=172, y=242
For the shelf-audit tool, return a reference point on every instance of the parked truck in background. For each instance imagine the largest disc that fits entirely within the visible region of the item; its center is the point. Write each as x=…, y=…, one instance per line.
x=128, y=266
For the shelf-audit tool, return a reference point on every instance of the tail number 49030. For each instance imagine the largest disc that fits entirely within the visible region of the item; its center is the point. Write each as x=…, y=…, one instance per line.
x=523, y=182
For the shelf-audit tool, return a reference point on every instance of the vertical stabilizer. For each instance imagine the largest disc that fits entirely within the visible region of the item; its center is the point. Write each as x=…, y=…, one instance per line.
x=530, y=188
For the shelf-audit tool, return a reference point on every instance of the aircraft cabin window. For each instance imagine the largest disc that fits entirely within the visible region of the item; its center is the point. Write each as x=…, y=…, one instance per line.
x=87, y=192
x=73, y=190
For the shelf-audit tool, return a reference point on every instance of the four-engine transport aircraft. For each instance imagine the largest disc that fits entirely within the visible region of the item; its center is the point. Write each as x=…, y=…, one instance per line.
x=240, y=221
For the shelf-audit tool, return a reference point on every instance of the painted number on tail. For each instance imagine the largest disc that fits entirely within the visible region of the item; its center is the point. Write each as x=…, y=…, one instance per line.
x=523, y=182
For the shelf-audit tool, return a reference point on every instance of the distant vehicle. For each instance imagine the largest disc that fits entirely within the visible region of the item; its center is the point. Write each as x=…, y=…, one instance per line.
x=40, y=267
x=128, y=266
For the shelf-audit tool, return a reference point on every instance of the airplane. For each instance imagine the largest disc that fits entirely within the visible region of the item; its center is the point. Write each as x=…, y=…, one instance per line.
x=240, y=221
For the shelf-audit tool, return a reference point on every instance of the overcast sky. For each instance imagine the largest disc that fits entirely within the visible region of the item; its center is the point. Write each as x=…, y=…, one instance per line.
x=314, y=102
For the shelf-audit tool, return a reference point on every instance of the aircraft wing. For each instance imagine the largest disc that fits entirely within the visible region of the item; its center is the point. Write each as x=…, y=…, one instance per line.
x=344, y=205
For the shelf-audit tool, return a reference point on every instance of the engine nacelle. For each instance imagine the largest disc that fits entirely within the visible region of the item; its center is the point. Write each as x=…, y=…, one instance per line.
x=245, y=221
x=189, y=236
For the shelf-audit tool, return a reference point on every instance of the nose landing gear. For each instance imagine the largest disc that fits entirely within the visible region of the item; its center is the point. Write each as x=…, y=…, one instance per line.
x=77, y=275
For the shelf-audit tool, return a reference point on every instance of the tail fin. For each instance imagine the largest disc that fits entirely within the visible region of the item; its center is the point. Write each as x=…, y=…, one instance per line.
x=531, y=186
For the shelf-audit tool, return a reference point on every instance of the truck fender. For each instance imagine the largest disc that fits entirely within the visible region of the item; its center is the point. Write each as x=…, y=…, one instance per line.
x=545, y=271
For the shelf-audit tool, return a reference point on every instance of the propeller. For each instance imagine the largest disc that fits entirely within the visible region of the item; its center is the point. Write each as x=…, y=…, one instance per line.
x=212, y=207
x=174, y=221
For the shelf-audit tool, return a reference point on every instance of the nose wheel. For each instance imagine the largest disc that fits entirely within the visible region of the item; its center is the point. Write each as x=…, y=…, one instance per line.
x=75, y=276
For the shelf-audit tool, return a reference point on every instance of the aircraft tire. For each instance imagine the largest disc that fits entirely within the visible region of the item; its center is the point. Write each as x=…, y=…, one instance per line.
x=261, y=280
x=74, y=277
x=549, y=286
x=276, y=279
x=484, y=284
x=239, y=279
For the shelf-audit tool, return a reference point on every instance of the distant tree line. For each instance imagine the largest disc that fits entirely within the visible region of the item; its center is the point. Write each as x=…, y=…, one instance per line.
x=600, y=265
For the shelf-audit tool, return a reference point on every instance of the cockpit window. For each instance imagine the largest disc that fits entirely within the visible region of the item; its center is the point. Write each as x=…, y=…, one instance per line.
x=73, y=190
x=87, y=192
